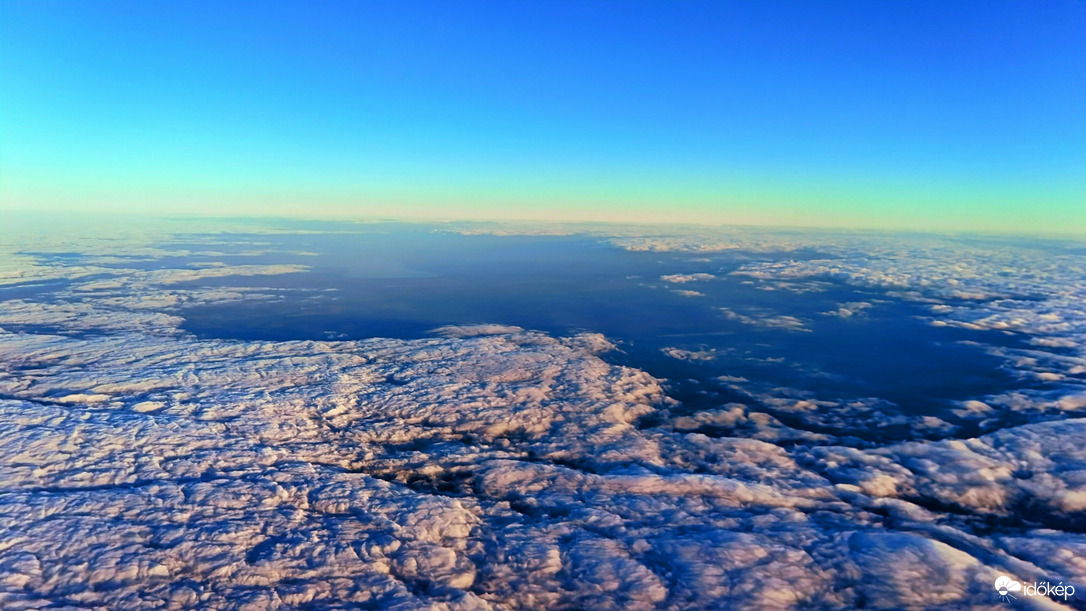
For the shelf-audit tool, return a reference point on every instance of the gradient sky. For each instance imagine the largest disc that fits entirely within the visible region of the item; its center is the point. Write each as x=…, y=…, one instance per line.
x=919, y=115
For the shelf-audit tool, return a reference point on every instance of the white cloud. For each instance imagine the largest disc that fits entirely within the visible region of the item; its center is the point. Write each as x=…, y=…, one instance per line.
x=850, y=309
x=689, y=355
x=684, y=278
x=766, y=320
x=493, y=467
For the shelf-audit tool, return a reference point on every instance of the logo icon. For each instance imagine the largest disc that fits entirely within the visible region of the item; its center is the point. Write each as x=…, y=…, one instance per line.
x=1005, y=585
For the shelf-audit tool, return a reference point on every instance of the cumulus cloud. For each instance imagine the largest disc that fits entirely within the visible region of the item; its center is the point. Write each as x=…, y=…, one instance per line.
x=766, y=320
x=689, y=355
x=849, y=309
x=475, y=330
x=684, y=278
x=687, y=293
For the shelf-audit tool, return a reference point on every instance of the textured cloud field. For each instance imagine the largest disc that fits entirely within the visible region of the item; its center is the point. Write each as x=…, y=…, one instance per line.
x=492, y=467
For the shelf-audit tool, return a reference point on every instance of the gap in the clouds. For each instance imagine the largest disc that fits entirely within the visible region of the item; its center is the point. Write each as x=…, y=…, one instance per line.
x=404, y=281
x=36, y=290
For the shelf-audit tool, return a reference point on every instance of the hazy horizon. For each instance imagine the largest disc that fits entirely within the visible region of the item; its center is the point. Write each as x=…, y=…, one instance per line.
x=19, y=217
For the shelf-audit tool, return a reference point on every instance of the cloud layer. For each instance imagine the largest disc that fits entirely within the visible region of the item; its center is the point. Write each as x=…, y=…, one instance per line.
x=488, y=467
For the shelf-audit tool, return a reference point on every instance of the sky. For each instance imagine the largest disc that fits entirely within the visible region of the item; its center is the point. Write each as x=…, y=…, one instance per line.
x=961, y=116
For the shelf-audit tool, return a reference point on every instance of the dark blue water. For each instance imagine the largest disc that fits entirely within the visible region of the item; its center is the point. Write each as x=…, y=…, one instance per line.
x=404, y=281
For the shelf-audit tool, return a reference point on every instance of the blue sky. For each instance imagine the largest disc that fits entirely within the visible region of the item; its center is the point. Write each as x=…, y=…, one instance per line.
x=940, y=115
